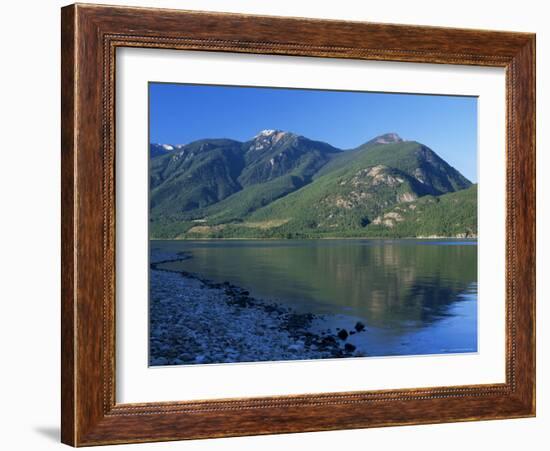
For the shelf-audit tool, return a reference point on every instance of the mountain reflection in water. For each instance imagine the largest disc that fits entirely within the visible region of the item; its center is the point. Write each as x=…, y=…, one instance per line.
x=414, y=296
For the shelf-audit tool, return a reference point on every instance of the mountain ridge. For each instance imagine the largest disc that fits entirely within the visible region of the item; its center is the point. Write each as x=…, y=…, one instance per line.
x=281, y=184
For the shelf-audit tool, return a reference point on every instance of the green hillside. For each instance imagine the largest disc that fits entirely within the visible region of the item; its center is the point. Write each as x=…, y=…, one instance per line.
x=281, y=185
x=350, y=197
x=448, y=215
x=195, y=176
x=198, y=180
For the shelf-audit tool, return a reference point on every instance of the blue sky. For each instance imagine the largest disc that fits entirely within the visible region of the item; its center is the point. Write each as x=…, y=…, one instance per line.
x=179, y=114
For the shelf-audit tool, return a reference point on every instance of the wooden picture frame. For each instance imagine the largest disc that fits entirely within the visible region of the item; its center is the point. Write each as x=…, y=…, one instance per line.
x=90, y=36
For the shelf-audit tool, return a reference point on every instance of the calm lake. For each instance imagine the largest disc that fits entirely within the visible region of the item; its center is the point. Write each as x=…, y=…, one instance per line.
x=414, y=296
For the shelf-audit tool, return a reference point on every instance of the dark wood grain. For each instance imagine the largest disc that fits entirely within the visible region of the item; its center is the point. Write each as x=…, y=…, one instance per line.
x=68, y=312
x=90, y=36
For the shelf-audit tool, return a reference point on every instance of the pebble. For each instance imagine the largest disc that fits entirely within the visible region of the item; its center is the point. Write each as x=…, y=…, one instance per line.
x=342, y=334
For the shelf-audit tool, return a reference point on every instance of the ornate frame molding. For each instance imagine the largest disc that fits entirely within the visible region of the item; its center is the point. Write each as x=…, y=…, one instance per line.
x=90, y=36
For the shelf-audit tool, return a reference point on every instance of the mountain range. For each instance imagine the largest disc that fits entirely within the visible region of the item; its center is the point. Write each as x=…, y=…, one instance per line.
x=282, y=185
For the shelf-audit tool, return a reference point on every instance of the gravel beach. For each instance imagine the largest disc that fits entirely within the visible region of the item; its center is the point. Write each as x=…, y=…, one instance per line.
x=197, y=321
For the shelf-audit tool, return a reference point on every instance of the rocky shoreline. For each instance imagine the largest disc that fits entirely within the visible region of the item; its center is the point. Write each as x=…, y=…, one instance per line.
x=197, y=321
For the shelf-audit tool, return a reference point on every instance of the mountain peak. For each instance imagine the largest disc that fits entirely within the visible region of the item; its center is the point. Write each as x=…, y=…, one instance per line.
x=268, y=138
x=386, y=138
x=271, y=133
x=267, y=132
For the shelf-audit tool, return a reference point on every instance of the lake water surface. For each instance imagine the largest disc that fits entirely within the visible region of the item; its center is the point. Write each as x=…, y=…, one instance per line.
x=414, y=296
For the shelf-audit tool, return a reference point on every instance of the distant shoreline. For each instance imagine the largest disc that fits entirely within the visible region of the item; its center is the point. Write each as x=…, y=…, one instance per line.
x=320, y=238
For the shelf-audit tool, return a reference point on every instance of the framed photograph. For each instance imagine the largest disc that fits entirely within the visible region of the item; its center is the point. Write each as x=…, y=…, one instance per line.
x=279, y=225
